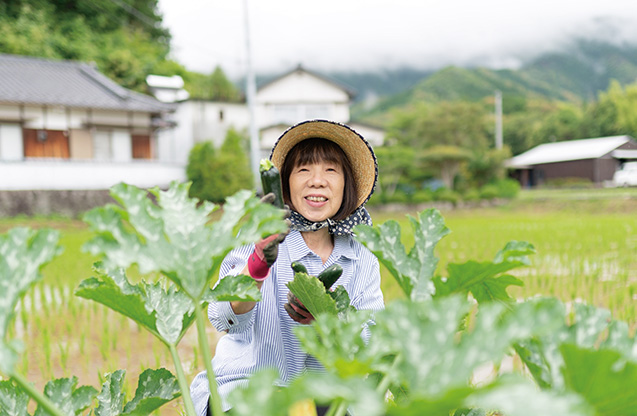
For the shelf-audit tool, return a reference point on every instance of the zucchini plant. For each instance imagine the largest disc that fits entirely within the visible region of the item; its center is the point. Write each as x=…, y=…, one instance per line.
x=424, y=352
x=170, y=235
x=420, y=356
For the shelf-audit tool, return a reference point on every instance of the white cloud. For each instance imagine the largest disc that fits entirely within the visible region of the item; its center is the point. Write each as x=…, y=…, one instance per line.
x=363, y=34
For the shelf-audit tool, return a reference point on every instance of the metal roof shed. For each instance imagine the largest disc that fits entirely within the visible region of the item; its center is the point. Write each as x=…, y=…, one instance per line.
x=591, y=159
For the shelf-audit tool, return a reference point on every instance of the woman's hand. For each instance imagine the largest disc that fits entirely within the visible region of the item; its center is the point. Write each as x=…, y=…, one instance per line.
x=266, y=250
x=297, y=310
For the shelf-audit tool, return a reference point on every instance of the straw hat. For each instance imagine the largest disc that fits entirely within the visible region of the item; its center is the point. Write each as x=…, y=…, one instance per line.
x=358, y=151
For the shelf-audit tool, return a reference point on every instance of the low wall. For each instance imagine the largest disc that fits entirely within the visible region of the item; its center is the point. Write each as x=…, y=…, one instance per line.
x=47, y=203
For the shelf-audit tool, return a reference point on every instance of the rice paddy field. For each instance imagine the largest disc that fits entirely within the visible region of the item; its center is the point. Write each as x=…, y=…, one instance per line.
x=586, y=244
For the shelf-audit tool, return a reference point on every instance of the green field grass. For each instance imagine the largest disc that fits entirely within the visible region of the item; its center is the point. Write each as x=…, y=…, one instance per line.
x=586, y=251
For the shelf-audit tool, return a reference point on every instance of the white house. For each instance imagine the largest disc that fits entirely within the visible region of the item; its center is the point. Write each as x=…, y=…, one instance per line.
x=295, y=96
x=65, y=126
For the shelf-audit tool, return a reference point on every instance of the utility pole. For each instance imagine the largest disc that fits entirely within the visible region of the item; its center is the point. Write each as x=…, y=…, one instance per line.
x=498, y=119
x=251, y=92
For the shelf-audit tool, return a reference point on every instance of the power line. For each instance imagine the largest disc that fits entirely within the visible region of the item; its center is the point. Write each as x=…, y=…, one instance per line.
x=138, y=14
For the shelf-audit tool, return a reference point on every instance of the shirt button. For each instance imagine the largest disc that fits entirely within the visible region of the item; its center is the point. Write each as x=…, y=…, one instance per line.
x=230, y=321
x=232, y=267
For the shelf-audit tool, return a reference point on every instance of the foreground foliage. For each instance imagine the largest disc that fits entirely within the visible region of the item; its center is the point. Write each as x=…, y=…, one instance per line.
x=458, y=343
x=172, y=238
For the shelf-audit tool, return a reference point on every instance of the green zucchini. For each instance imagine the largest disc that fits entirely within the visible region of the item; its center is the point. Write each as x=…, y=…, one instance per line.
x=271, y=181
x=298, y=267
x=330, y=275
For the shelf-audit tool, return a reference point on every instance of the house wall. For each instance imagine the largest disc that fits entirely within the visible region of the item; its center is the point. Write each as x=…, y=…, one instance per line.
x=374, y=136
x=47, y=174
x=67, y=203
x=81, y=144
x=300, y=96
x=211, y=120
x=174, y=144
x=122, y=146
x=11, y=145
x=595, y=170
x=572, y=169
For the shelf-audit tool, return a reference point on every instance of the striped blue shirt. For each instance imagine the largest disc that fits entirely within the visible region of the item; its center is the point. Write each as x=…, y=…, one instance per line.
x=263, y=337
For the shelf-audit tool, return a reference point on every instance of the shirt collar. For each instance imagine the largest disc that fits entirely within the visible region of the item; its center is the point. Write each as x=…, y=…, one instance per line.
x=298, y=249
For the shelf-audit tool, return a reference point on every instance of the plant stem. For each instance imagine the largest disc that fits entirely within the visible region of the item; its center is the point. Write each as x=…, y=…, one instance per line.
x=338, y=408
x=183, y=383
x=215, y=400
x=42, y=400
x=386, y=381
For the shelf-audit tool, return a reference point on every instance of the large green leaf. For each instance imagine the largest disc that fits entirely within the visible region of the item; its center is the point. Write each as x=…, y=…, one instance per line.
x=264, y=397
x=167, y=314
x=111, y=398
x=13, y=400
x=230, y=288
x=337, y=343
x=358, y=393
x=154, y=389
x=514, y=396
x=65, y=394
x=434, y=357
x=311, y=292
x=440, y=405
x=605, y=378
x=23, y=252
x=412, y=271
x=429, y=229
x=174, y=236
x=485, y=280
x=592, y=328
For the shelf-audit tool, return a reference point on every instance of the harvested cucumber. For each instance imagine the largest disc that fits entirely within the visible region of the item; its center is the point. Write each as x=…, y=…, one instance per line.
x=330, y=275
x=271, y=181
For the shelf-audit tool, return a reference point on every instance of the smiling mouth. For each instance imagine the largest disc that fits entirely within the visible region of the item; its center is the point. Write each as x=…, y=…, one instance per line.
x=316, y=198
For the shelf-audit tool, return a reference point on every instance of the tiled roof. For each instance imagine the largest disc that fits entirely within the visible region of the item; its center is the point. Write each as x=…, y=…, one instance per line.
x=568, y=150
x=37, y=81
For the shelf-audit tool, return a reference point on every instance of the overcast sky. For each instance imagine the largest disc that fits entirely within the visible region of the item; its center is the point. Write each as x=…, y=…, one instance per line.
x=367, y=34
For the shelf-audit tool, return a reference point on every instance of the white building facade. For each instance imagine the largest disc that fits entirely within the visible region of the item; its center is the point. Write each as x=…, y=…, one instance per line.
x=64, y=126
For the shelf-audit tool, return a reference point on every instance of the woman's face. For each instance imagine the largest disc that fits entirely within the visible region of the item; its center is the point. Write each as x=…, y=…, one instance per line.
x=316, y=190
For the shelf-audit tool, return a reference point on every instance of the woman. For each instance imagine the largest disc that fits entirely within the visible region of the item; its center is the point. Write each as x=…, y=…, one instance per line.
x=328, y=172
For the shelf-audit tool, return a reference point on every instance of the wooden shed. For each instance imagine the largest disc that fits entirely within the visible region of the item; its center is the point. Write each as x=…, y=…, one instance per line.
x=589, y=159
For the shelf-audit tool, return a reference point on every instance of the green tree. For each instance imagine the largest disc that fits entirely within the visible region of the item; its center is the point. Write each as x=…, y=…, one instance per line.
x=219, y=173
x=447, y=160
x=124, y=38
x=395, y=164
x=615, y=112
x=487, y=166
x=451, y=123
x=214, y=86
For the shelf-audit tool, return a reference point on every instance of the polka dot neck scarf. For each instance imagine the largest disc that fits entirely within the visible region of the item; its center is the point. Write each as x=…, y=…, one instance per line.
x=342, y=227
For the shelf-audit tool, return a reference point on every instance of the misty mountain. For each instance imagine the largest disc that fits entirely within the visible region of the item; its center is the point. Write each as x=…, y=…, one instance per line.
x=577, y=73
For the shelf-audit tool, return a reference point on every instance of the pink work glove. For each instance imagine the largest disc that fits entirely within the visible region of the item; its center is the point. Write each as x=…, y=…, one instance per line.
x=264, y=255
x=267, y=250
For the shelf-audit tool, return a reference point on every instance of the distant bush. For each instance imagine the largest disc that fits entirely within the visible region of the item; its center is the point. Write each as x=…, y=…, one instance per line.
x=508, y=188
x=471, y=195
x=489, y=192
x=422, y=196
x=447, y=195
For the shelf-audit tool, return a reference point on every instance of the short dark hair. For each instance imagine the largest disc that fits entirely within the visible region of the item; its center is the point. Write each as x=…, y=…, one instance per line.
x=316, y=150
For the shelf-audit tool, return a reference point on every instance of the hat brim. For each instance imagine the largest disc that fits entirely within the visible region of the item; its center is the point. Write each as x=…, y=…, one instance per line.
x=358, y=150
